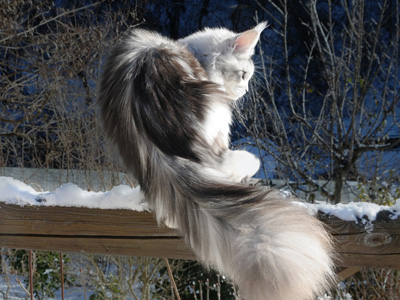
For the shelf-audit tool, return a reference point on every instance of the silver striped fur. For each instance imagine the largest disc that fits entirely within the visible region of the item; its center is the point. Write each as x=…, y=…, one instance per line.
x=155, y=100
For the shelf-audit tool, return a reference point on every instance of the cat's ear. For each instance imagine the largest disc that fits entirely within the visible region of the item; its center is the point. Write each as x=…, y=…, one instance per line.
x=246, y=41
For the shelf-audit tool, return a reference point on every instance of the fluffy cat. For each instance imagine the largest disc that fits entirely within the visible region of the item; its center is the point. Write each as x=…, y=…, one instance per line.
x=166, y=105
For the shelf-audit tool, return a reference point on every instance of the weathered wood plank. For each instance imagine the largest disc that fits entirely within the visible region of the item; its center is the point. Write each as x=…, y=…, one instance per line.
x=343, y=272
x=97, y=231
x=373, y=244
x=391, y=261
x=73, y=221
x=125, y=232
x=154, y=247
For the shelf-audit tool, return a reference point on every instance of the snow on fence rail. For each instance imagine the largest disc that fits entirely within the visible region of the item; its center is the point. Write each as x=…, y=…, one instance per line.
x=365, y=235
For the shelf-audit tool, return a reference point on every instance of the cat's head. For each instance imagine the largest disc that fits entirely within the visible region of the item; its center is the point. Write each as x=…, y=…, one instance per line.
x=226, y=56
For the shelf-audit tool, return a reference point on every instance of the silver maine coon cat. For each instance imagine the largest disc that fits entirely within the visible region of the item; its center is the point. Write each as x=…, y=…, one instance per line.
x=167, y=106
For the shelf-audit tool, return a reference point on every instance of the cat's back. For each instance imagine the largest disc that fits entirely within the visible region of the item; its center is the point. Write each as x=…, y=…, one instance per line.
x=165, y=90
x=137, y=43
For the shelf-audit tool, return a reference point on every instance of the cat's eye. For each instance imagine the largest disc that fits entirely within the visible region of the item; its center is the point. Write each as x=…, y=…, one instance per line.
x=244, y=75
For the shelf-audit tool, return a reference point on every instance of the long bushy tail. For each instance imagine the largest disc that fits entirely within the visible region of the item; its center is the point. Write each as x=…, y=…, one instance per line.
x=153, y=96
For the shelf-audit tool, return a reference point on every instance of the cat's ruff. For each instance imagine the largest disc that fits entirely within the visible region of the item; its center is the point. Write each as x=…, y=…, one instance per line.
x=166, y=105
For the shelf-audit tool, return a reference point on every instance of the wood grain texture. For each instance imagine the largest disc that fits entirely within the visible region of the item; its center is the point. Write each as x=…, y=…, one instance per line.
x=366, y=244
x=343, y=272
x=126, y=232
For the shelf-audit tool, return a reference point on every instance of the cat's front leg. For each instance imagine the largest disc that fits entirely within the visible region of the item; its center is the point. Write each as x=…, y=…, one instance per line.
x=240, y=165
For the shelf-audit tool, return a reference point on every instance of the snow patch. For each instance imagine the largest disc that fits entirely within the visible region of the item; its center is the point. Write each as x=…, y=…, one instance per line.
x=70, y=195
x=13, y=191
x=355, y=211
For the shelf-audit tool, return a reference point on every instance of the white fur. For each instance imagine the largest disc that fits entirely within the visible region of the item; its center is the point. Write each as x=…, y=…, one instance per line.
x=239, y=165
x=217, y=123
x=219, y=54
x=224, y=61
x=272, y=248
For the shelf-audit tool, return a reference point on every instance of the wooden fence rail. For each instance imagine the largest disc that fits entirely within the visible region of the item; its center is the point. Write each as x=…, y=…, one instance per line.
x=127, y=232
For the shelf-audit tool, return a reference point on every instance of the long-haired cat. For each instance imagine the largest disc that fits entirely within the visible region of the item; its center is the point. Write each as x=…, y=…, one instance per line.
x=167, y=106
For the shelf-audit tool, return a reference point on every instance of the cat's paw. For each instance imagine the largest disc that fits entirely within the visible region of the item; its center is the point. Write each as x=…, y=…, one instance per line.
x=240, y=165
x=170, y=223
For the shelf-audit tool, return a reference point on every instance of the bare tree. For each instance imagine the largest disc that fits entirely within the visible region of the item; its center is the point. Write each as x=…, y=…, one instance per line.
x=326, y=118
x=51, y=56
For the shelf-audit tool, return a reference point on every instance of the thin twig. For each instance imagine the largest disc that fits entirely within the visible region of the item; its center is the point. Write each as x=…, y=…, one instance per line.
x=219, y=287
x=194, y=290
x=201, y=289
x=30, y=274
x=48, y=21
x=20, y=284
x=62, y=275
x=83, y=283
x=208, y=288
x=171, y=277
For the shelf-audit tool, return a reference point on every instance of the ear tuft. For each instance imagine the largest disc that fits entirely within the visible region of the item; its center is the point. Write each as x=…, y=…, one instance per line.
x=246, y=41
x=261, y=26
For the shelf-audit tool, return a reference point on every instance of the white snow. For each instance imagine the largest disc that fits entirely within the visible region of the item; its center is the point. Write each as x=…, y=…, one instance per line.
x=13, y=191
x=355, y=211
x=70, y=195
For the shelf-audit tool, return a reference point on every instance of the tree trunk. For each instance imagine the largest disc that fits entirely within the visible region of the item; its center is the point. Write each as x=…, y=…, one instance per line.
x=338, y=180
